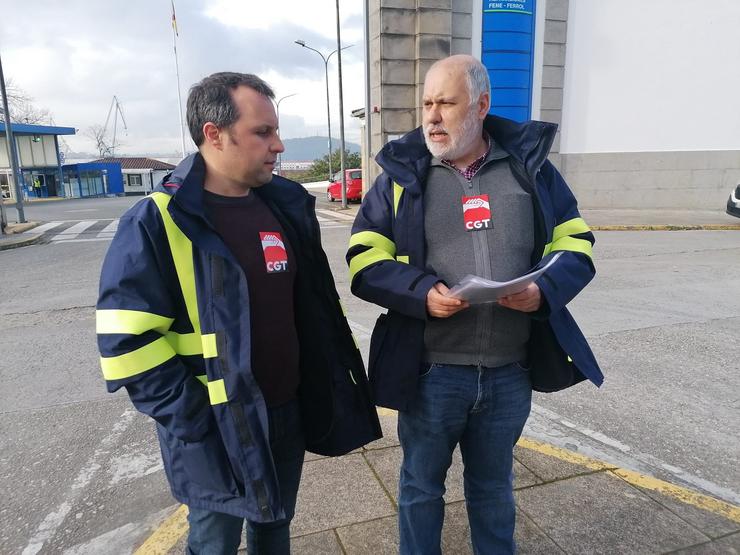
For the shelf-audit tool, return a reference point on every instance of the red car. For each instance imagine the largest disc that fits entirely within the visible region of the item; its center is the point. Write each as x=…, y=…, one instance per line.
x=354, y=186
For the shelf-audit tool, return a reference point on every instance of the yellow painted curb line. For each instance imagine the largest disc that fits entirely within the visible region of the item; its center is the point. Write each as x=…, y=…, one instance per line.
x=667, y=227
x=563, y=454
x=167, y=535
x=710, y=504
x=687, y=496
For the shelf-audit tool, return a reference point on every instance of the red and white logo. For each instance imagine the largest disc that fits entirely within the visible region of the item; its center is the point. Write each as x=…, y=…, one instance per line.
x=477, y=213
x=276, y=256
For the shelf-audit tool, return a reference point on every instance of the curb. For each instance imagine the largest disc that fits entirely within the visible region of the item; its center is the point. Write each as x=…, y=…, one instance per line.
x=169, y=532
x=7, y=244
x=14, y=229
x=667, y=227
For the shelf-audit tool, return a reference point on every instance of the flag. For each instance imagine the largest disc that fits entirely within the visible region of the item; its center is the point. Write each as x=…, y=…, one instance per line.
x=174, y=20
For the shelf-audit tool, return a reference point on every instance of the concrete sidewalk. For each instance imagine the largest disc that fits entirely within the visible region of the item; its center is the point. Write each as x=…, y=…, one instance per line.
x=17, y=235
x=566, y=503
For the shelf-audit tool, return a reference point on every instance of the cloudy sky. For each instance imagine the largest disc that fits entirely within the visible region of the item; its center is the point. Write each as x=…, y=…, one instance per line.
x=73, y=56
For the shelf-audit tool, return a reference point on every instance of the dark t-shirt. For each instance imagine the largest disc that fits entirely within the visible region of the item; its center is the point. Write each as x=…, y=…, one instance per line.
x=258, y=242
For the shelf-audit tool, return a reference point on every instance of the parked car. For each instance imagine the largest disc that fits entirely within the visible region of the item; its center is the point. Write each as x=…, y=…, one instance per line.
x=354, y=186
x=733, y=203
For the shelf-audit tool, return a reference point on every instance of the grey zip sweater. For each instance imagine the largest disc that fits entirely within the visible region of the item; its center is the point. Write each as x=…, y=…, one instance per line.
x=488, y=334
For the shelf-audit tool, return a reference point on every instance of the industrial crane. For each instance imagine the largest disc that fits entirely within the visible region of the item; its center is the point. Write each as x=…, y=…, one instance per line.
x=115, y=109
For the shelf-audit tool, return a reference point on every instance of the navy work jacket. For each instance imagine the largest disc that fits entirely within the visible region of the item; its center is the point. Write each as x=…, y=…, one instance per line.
x=174, y=329
x=387, y=262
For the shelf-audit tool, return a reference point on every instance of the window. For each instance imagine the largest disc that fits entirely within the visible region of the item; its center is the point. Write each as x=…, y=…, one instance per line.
x=4, y=186
x=134, y=180
x=355, y=175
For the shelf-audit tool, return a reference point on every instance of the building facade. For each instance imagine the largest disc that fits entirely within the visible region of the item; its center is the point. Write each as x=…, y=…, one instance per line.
x=644, y=93
x=140, y=175
x=37, y=148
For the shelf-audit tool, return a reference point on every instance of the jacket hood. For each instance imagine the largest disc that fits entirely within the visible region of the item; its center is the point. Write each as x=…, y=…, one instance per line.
x=407, y=159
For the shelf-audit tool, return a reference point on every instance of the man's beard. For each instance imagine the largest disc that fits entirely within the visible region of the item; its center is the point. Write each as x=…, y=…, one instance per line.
x=458, y=145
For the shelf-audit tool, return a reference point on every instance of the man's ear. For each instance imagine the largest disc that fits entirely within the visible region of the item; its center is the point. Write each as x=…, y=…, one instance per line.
x=213, y=135
x=484, y=103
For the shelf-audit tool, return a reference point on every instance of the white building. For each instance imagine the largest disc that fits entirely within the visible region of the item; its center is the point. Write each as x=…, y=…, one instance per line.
x=140, y=175
x=645, y=92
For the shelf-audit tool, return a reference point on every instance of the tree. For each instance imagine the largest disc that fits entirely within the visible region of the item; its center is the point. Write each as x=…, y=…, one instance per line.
x=320, y=168
x=22, y=109
x=97, y=134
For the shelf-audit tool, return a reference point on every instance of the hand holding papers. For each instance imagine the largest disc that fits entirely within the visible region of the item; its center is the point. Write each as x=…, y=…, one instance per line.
x=477, y=290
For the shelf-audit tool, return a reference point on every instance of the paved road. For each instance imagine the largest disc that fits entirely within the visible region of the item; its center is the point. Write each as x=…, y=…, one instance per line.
x=84, y=469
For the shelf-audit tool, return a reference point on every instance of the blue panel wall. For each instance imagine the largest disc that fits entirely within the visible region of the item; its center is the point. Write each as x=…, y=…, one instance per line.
x=508, y=53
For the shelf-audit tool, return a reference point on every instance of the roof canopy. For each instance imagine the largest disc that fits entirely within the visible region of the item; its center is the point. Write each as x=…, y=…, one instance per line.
x=28, y=129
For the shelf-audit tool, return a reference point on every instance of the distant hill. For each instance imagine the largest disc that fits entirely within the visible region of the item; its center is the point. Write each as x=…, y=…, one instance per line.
x=296, y=150
x=311, y=148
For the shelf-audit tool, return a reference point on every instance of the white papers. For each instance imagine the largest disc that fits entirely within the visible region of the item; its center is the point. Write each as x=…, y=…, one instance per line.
x=477, y=290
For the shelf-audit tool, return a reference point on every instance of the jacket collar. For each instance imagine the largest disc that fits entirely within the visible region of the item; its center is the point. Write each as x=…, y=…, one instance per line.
x=407, y=159
x=185, y=183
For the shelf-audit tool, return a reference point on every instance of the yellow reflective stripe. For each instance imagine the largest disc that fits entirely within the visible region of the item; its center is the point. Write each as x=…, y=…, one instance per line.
x=344, y=310
x=185, y=344
x=374, y=240
x=216, y=389
x=403, y=258
x=356, y=343
x=138, y=361
x=571, y=227
x=134, y=322
x=217, y=392
x=572, y=244
x=365, y=259
x=182, y=254
x=209, y=345
x=397, y=192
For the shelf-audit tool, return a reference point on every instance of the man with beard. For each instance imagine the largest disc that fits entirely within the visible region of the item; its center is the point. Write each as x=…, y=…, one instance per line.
x=468, y=193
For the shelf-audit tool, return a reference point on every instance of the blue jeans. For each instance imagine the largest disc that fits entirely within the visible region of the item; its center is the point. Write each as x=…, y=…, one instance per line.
x=484, y=410
x=213, y=533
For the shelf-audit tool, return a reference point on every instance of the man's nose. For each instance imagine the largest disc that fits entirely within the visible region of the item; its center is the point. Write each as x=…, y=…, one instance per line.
x=278, y=145
x=433, y=114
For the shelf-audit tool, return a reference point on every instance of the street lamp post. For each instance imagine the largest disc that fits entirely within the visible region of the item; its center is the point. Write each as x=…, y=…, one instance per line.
x=326, y=74
x=341, y=115
x=277, y=111
x=12, y=156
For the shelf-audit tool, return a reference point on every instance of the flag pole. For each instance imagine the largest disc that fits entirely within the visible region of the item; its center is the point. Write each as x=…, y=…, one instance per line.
x=177, y=72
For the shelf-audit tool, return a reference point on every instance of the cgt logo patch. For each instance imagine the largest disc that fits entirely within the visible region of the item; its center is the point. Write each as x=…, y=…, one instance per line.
x=477, y=213
x=276, y=256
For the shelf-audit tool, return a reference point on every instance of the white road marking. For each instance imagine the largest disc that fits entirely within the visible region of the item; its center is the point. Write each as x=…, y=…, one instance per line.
x=335, y=214
x=123, y=539
x=74, y=231
x=45, y=227
x=109, y=231
x=135, y=465
x=90, y=240
x=54, y=519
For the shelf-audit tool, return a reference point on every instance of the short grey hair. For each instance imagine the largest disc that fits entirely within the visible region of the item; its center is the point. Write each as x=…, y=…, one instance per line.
x=476, y=76
x=210, y=100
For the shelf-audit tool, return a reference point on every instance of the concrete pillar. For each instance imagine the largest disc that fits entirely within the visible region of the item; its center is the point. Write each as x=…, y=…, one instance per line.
x=553, y=68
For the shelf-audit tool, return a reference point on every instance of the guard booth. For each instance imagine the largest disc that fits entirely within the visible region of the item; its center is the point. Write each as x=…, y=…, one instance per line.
x=38, y=158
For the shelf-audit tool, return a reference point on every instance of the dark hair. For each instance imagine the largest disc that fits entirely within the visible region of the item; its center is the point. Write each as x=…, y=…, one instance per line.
x=210, y=100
